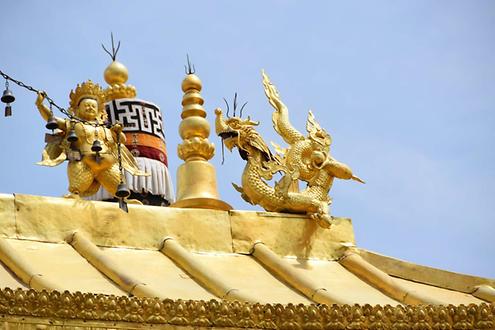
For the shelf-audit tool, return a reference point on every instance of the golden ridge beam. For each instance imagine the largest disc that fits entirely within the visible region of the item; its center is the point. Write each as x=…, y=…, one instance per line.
x=282, y=269
x=485, y=292
x=384, y=282
x=22, y=269
x=102, y=263
x=207, y=278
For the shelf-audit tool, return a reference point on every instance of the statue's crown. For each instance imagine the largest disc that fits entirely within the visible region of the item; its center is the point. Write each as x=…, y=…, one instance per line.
x=87, y=89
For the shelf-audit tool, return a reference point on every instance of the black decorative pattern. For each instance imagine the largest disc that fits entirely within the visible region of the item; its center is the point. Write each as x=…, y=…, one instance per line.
x=137, y=116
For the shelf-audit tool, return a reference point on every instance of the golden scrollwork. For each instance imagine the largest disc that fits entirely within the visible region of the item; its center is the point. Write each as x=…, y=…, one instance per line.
x=306, y=159
x=88, y=310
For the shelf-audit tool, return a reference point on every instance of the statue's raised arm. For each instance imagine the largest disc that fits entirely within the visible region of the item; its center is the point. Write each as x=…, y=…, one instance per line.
x=47, y=114
x=280, y=116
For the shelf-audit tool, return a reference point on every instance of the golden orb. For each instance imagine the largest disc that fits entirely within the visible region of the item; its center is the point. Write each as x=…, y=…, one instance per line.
x=191, y=82
x=194, y=126
x=116, y=73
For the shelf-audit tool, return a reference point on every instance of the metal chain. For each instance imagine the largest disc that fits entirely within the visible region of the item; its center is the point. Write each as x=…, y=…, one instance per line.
x=119, y=155
x=49, y=99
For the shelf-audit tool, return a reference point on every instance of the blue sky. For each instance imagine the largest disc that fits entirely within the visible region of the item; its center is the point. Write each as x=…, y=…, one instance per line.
x=404, y=87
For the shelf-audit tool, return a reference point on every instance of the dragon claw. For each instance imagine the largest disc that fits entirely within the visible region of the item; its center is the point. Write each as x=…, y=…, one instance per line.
x=324, y=221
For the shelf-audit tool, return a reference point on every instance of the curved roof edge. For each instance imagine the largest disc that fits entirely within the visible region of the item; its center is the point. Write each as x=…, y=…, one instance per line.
x=429, y=275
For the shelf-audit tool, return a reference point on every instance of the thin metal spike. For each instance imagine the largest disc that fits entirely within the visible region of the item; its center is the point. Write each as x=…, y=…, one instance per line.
x=223, y=152
x=242, y=109
x=113, y=44
x=117, y=51
x=228, y=108
x=123, y=205
x=106, y=50
x=191, y=69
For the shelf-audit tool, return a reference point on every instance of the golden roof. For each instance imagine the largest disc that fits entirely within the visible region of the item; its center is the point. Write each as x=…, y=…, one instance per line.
x=96, y=252
x=202, y=254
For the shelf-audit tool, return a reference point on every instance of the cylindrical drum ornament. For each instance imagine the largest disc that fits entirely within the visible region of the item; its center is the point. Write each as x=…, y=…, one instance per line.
x=143, y=127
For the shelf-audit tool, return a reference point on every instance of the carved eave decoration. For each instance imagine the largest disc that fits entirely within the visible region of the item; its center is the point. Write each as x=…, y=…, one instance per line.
x=43, y=310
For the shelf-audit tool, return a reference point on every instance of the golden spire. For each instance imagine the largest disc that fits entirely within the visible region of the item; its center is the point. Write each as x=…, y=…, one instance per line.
x=196, y=178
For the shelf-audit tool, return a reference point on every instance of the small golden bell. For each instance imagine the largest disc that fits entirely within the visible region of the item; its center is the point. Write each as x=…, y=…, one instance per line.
x=51, y=123
x=7, y=96
x=96, y=147
x=122, y=190
x=72, y=137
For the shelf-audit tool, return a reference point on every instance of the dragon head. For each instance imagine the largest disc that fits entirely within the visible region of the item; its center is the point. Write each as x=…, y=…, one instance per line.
x=240, y=133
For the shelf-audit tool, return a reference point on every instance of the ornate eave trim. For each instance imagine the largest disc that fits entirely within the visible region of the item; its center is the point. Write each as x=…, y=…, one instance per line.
x=30, y=307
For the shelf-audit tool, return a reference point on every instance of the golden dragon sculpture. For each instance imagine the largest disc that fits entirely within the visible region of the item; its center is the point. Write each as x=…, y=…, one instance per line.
x=306, y=159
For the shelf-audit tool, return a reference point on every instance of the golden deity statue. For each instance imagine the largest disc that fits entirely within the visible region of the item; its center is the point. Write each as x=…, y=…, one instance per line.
x=306, y=159
x=95, y=151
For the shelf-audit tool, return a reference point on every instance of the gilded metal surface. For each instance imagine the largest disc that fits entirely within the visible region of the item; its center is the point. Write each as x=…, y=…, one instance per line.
x=116, y=76
x=232, y=270
x=60, y=264
x=203, y=274
x=439, y=294
x=157, y=271
x=210, y=237
x=424, y=274
x=343, y=285
x=306, y=159
x=87, y=170
x=485, y=292
x=145, y=227
x=290, y=234
x=385, y=283
x=7, y=215
x=112, y=270
x=196, y=178
x=23, y=309
x=22, y=268
x=289, y=274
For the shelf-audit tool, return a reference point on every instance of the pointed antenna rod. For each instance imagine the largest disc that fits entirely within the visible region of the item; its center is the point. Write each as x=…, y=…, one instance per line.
x=235, y=105
x=115, y=51
x=228, y=108
x=242, y=108
x=235, y=102
x=190, y=68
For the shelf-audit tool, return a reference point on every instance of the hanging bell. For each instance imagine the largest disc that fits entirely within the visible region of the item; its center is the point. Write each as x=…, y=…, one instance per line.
x=51, y=123
x=96, y=147
x=122, y=191
x=8, y=110
x=7, y=96
x=72, y=137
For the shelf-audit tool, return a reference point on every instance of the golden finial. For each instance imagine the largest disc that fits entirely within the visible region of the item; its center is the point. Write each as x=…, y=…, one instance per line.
x=196, y=178
x=116, y=75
